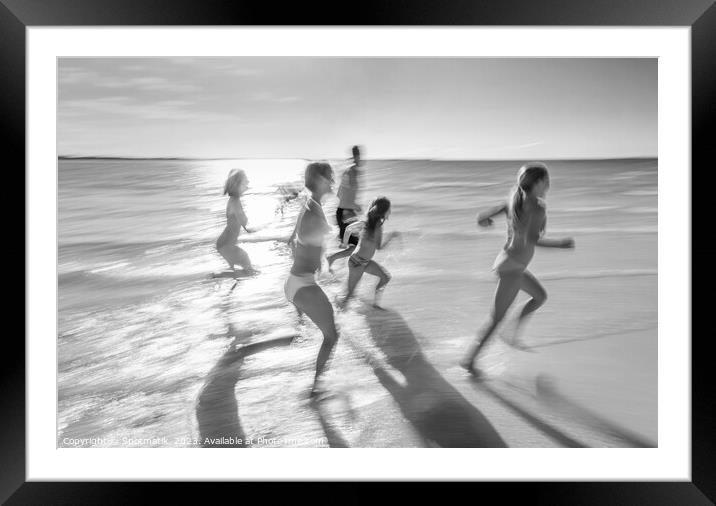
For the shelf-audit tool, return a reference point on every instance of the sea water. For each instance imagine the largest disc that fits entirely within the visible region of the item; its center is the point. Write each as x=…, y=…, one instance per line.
x=143, y=328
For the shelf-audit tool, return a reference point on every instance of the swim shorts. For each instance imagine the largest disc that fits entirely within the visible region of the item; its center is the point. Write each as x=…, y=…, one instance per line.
x=342, y=224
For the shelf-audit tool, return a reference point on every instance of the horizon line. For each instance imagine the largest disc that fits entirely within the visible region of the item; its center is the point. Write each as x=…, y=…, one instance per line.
x=103, y=157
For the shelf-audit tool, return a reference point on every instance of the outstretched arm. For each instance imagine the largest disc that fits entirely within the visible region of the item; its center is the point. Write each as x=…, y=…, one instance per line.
x=379, y=242
x=389, y=237
x=537, y=226
x=295, y=228
x=484, y=218
x=349, y=231
x=545, y=242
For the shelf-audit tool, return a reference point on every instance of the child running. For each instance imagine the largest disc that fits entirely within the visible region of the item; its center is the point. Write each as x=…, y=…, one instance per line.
x=370, y=232
x=526, y=220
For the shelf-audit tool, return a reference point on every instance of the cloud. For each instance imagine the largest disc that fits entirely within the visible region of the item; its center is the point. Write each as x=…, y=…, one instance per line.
x=245, y=72
x=222, y=64
x=70, y=76
x=284, y=100
x=528, y=145
x=74, y=75
x=135, y=68
x=125, y=106
x=148, y=84
x=265, y=96
x=183, y=60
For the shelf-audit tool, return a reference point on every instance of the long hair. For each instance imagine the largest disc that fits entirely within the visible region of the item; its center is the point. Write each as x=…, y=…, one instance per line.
x=528, y=175
x=376, y=214
x=235, y=178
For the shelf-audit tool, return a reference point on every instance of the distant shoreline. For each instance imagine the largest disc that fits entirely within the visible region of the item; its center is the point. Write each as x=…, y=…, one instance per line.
x=367, y=159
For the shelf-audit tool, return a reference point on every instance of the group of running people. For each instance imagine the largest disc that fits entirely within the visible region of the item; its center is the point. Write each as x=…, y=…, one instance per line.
x=525, y=210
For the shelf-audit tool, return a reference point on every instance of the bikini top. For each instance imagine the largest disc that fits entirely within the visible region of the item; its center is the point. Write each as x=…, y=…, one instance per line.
x=315, y=237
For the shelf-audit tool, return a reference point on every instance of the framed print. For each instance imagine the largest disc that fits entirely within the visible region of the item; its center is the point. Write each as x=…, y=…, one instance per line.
x=423, y=238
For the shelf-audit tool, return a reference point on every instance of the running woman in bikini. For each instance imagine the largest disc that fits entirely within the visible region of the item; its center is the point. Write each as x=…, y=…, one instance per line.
x=526, y=220
x=306, y=241
x=370, y=232
x=235, y=186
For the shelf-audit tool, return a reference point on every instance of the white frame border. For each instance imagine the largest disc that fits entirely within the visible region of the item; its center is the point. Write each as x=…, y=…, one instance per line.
x=670, y=461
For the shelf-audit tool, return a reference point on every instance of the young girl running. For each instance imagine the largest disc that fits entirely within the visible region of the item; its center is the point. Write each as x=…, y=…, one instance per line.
x=235, y=186
x=526, y=219
x=370, y=232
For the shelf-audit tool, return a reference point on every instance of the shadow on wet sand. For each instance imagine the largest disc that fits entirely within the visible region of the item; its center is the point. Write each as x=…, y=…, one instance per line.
x=333, y=433
x=435, y=408
x=549, y=394
x=539, y=424
x=217, y=411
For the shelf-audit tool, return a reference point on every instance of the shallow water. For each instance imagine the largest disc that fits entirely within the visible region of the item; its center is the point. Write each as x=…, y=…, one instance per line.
x=146, y=337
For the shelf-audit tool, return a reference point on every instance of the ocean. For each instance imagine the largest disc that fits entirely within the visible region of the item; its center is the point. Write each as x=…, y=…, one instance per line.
x=148, y=340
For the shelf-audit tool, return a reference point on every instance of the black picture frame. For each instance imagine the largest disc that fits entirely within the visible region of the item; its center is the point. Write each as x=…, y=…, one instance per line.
x=700, y=15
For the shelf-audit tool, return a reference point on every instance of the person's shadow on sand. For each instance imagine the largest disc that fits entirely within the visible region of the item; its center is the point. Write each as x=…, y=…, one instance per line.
x=334, y=438
x=217, y=411
x=435, y=408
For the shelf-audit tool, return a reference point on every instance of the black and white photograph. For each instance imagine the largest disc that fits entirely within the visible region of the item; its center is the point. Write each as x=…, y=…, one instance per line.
x=357, y=252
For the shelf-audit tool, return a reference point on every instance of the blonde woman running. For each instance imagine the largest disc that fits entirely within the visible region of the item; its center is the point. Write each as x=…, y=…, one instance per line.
x=235, y=186
x=306, y=242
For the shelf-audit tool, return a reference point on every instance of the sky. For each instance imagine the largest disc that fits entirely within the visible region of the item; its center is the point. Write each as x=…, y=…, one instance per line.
x=317, y=108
